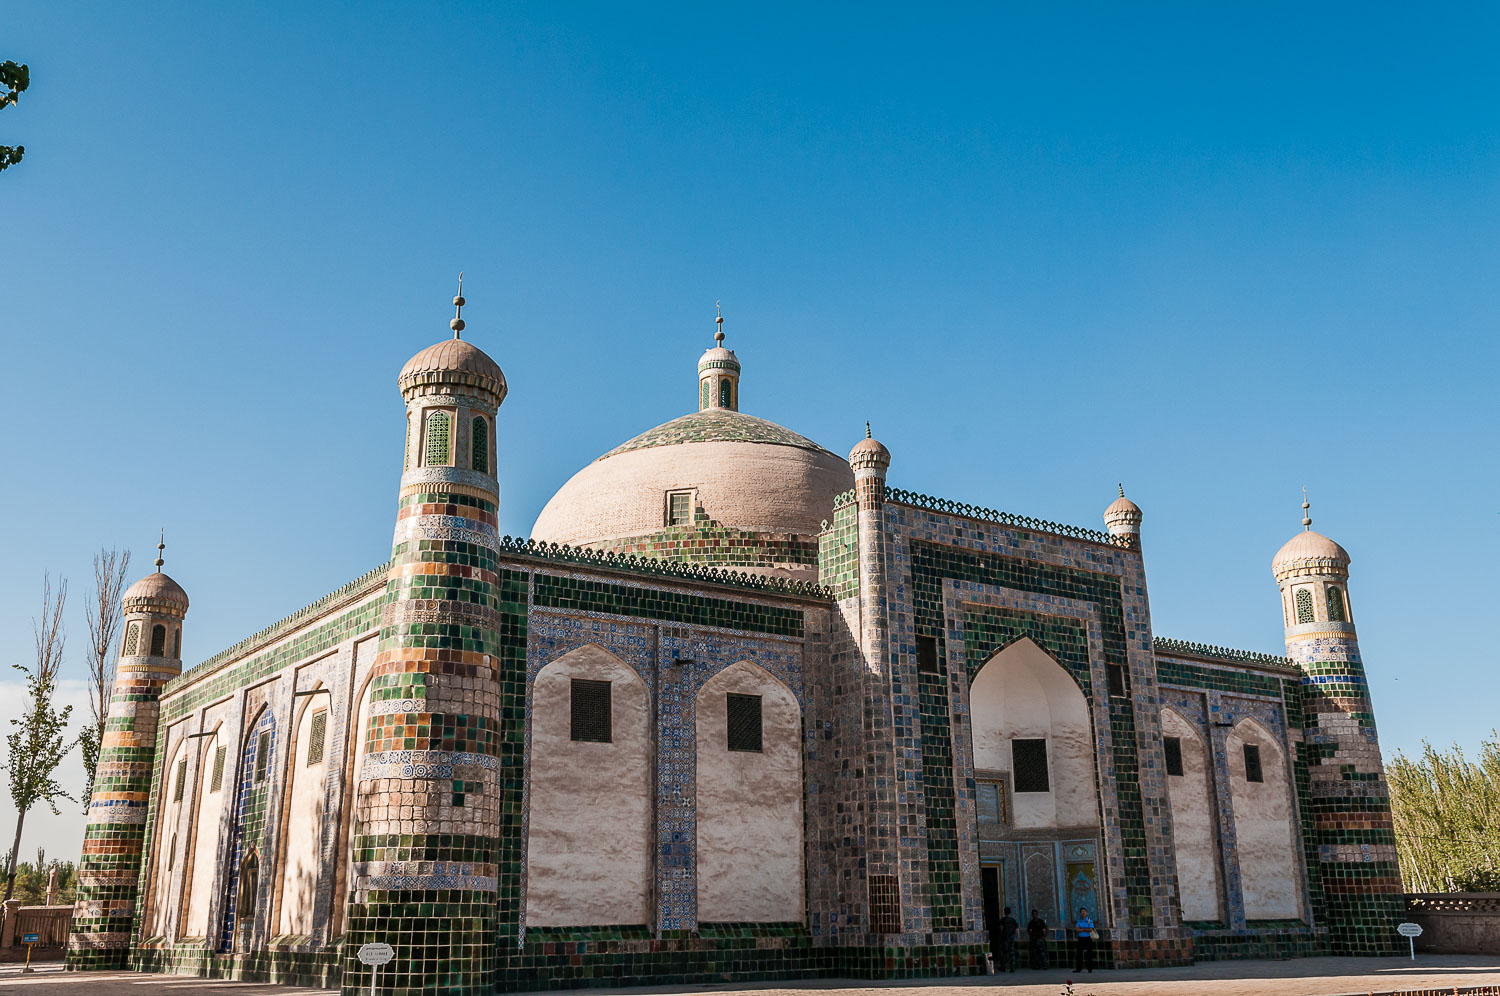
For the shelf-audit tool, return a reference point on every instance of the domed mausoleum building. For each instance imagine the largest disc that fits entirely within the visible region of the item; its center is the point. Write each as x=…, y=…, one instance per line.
x=741, y=710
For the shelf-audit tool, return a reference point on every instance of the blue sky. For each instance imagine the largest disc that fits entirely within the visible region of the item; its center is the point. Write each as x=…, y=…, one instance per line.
x=1217, y=254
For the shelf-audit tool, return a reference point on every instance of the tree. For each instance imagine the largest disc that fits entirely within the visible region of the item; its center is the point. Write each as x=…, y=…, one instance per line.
x=1446, y=813
x=15, y=79
x=104, y=616
x=40, y=741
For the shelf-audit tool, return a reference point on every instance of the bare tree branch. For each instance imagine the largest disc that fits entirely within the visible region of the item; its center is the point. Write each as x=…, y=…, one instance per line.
x=104, y=616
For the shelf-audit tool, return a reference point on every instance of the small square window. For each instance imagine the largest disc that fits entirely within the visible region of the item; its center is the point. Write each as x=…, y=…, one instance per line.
x=1172, y=747
x=679, y=508
x=1029, y=765
x=1253, y=772
x=990, y=799
x=744, y=722
x=1117, y=680
x=927, y=654
x=591, y=716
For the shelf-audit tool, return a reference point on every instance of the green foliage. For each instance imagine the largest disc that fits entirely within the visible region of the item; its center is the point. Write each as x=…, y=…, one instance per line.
x=1446, y=811
x=31, y=880
x=15, y=79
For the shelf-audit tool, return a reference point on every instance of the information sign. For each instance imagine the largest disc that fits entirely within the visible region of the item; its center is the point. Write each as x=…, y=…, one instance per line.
x=1410, y=931
x=376, y=953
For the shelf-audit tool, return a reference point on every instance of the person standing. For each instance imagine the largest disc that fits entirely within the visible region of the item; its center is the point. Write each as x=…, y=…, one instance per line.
x=1036, y=930
x=1009, y=928
x=1084, y=926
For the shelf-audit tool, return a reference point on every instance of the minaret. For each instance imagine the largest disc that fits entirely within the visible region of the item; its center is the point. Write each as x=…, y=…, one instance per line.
x=110, y=869
x=428, y=818
x=1351, y=806
x=1123, y=518
x=719, y=374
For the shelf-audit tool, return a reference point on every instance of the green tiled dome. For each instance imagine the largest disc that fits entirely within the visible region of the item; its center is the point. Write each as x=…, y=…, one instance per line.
x=715, y=425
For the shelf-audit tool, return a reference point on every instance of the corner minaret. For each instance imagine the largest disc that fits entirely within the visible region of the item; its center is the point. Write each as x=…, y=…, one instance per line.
x=719, y=374
x=1351, y=806
x=1123, y=518
x=113, y=842
x=425, y=875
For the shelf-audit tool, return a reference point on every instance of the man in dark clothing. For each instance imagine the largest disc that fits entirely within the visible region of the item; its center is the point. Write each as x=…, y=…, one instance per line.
x=1084, y=925
x=1009, y=927
x=1036, y=930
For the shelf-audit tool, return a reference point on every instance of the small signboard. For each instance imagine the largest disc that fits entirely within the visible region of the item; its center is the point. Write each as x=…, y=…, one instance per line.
x=1410, y=931
x=31, y=938
x=376, y=953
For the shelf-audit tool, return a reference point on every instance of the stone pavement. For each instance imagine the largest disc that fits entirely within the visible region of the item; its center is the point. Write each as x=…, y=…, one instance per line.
x=1443, y=974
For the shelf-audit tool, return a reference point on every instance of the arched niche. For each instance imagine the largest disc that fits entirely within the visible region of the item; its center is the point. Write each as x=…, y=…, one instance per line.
x=1269, y=880
x=1022, y=693
x=588, y=850
x=750, y=847
x=304, y=807
x=1194, y=821
x=167, y=851
x=215, y=766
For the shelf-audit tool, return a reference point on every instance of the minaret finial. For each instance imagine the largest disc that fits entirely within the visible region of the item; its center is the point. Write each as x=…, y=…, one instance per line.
x=867, y=430
x=161, y=546
x=1306, y=515
x=1122, y=490
x=719, y=323
x=457, y=325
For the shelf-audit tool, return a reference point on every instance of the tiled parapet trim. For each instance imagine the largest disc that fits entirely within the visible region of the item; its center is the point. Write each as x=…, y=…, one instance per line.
x=948, y=507
x=114, y=840
x=1349, y=797
x=1163, y=645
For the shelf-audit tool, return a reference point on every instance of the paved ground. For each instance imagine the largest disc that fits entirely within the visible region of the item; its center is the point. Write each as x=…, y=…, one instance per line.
x=1300, y=977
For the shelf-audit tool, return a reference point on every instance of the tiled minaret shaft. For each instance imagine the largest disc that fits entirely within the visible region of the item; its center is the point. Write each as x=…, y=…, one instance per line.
x=425, y=869
x=110, y=868
x=1351, y=807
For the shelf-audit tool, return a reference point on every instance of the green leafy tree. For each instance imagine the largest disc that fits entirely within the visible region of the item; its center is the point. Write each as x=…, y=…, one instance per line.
x=40, y=740
x=1446, y=812
x=104, y=615
x=32, y=880
x=15, y=79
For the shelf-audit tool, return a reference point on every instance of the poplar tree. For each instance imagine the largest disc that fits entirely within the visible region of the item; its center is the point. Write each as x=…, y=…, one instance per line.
x=104, y=615
x=40, y=741
x=1446, y=813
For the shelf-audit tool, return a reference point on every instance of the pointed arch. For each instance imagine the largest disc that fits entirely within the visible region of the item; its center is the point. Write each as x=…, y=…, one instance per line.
x=356, y=746
x=1270, y=882
x=206, y=833
x=749, y=791
x=1194, y=820
x=172, y=790
x=248, y=805
x=1023, y=694
x=588, y=852
x=304, y=805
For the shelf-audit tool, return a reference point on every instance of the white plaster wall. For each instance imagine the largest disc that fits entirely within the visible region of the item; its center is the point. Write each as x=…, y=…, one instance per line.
x=749, y=804
x=1194, y=823
x=306, y=809
x=206, y=838
x=1263, y=827
x=1022, y=693
x=165, y=896
x=588, y=855
x=758, y=487
x=359, y=747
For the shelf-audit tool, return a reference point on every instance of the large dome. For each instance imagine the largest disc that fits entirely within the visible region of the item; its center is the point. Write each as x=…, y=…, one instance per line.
x=747, y=475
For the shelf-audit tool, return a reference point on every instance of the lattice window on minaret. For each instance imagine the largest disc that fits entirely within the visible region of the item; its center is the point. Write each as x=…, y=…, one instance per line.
x=132, y=640
x=1335, y=605
x=177, y=643
x=481, y=447
x=1304, y=606
x=439, y=430
x=158, y=641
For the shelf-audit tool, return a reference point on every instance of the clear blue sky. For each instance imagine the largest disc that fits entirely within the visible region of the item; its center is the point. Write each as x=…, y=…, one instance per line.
x=1218, y=254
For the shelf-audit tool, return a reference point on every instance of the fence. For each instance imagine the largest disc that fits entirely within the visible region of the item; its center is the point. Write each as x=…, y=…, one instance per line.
x=1456, y=922
x=49, y=923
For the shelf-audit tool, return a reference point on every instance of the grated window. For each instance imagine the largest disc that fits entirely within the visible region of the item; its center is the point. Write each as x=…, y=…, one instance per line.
x=1304, y=606
x=679, y=508
x=177, y=643
x=481, y=447
x=927, y=654
x=1253, y=772
x=262, y=756
x=990, y=800
x=158, y=641
x=744, y=723
x=172, y=853
x=1172, y=747
x=181, y=780
x=316, y=737
x=724, y=390
x=438, y=446
x=132, y=639
x=218, y=779
x=1117, y=680
x=1029, y=765
x=703, y=395
x=591, y=720
x=1335, y=605
x=885, y=904
x=406, y=450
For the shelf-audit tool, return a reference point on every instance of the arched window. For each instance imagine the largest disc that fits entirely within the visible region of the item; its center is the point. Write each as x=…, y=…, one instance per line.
x=1304, y=606
x=703, y=395
x=132, y=640
x=406, y=449
x=177, y=643
x=724, y=390
x=158, y=641
x=481, y=447
x=438, y=446
x=1335, y=605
